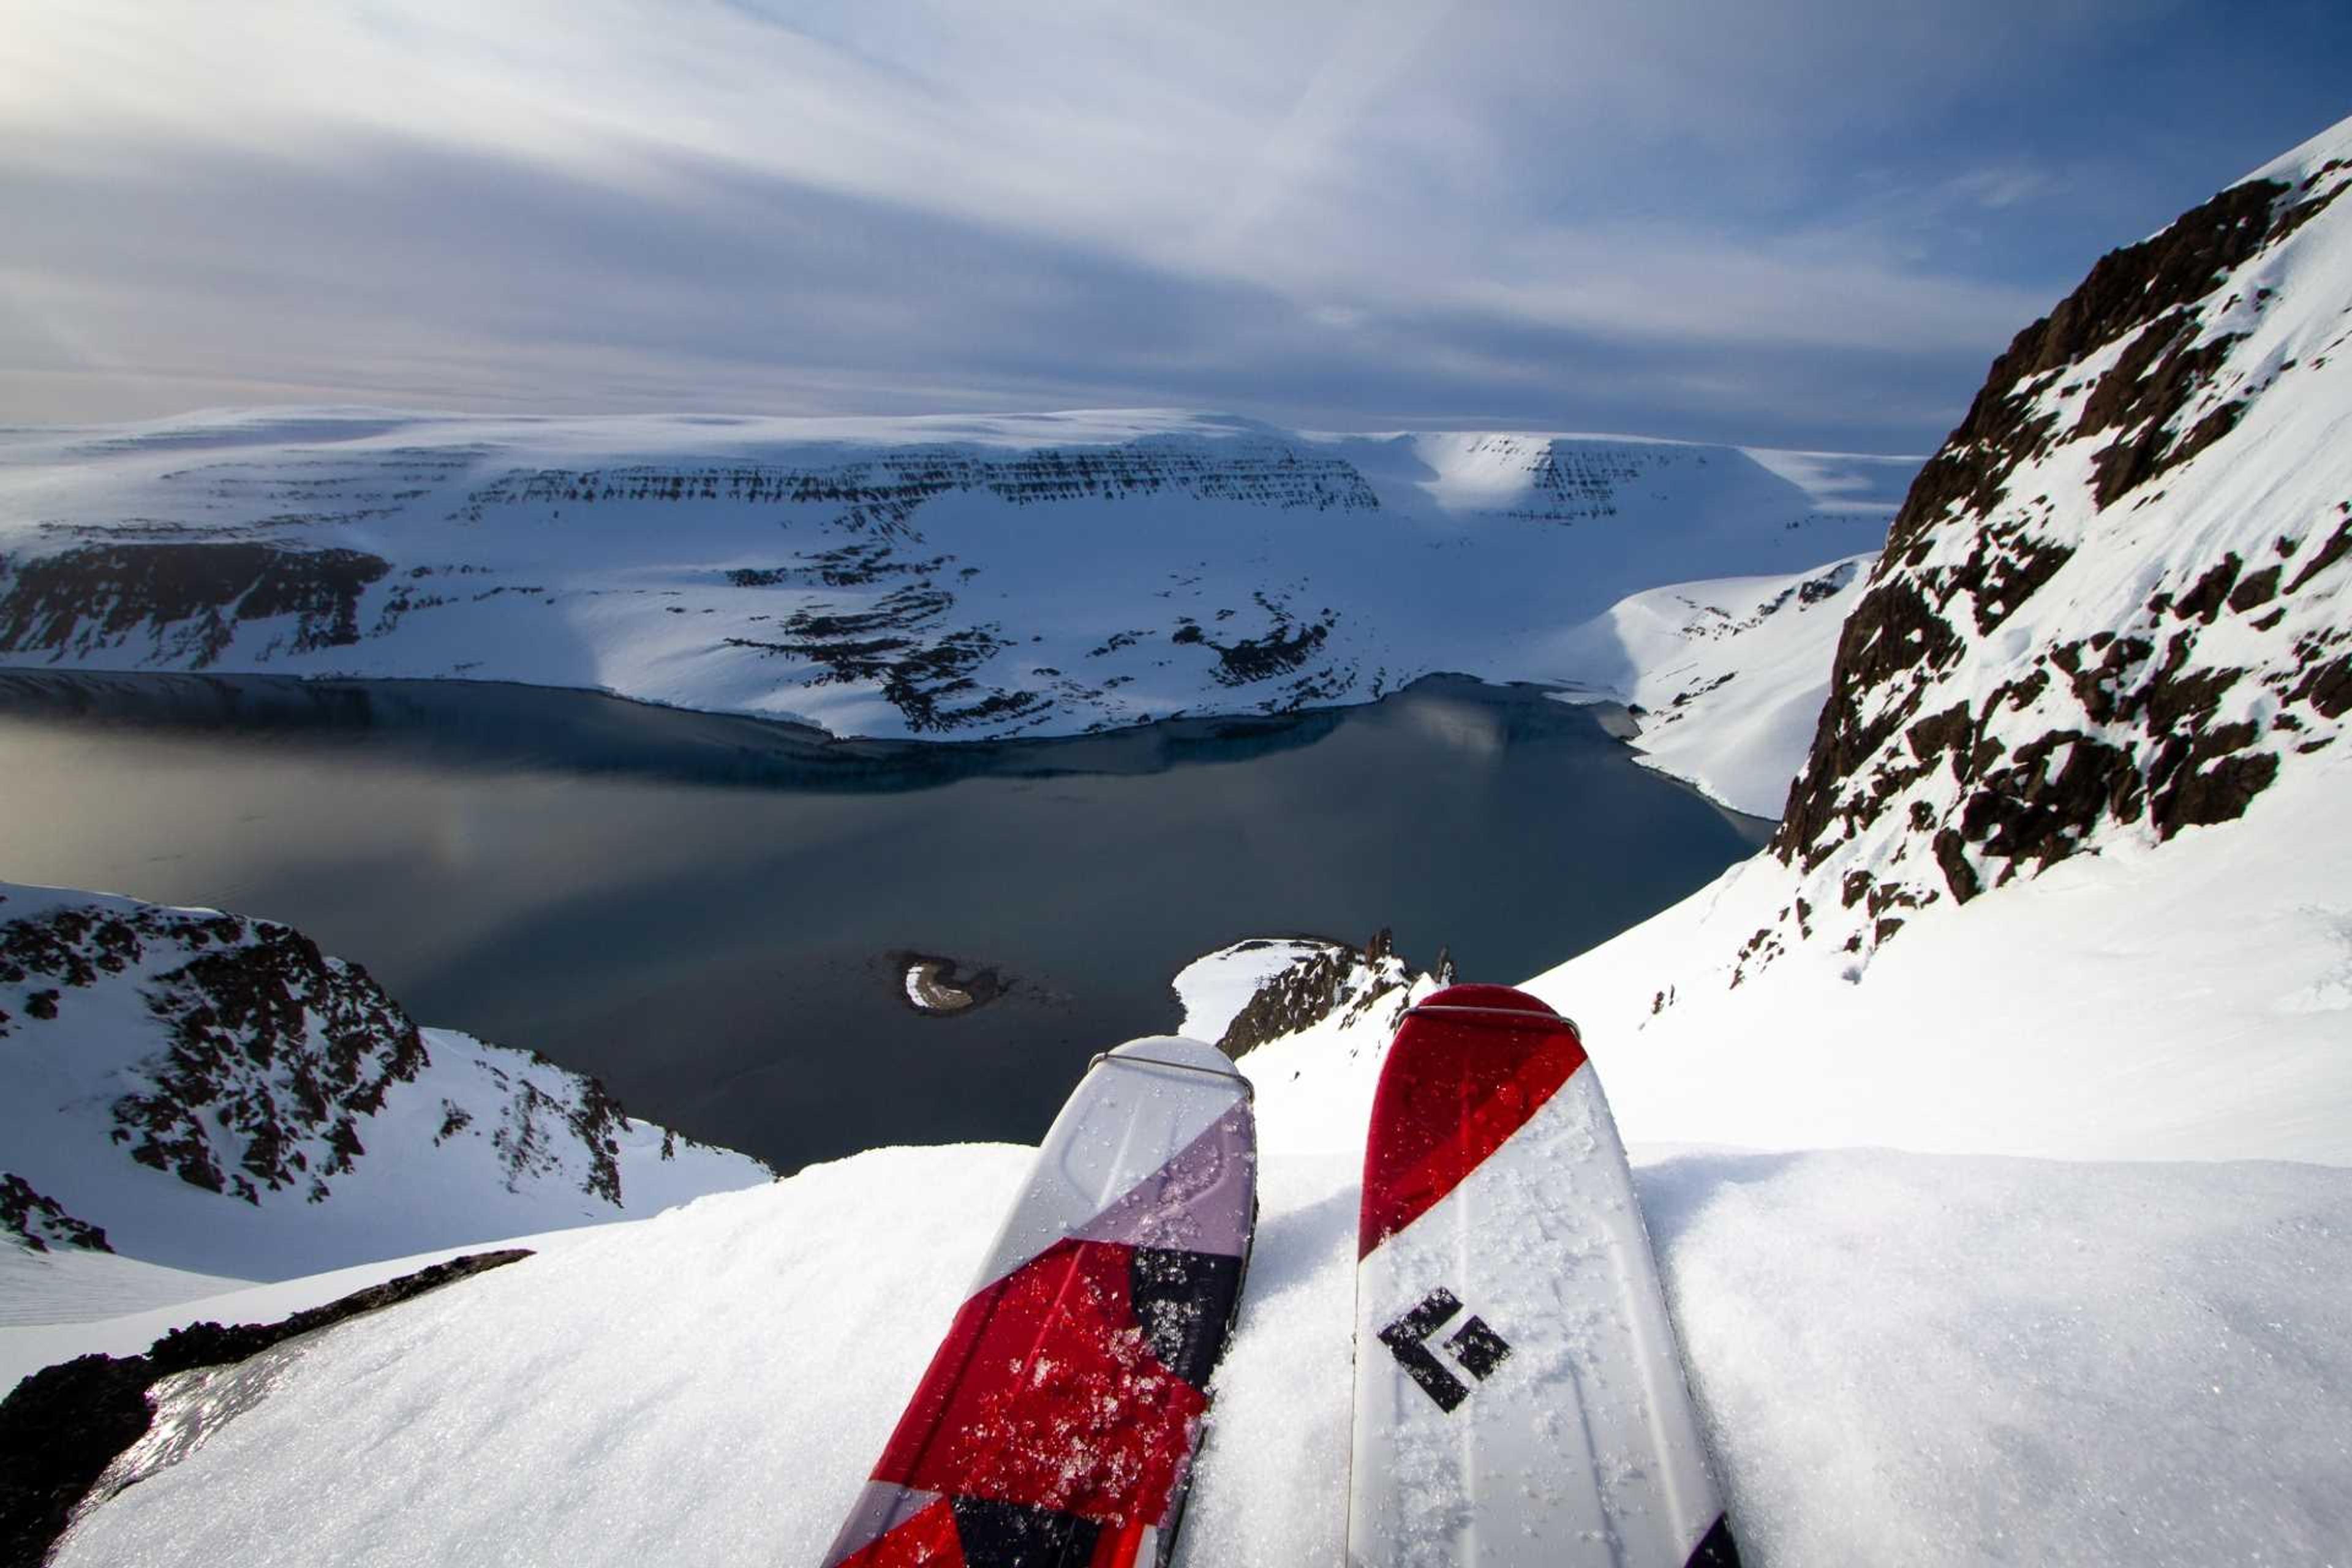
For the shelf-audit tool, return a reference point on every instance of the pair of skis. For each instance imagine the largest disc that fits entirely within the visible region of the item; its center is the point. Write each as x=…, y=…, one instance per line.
x=1518, y=1395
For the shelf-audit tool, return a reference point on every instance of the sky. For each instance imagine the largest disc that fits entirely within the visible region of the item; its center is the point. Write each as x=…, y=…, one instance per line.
x=1808, y=224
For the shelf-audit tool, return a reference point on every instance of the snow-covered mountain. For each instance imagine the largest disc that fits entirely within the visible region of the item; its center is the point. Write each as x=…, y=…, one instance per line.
x=947, y=577
x=210, y=1092
x=2070, y=835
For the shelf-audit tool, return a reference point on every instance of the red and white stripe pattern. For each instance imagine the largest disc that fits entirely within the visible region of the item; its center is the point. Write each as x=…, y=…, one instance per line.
x=1056, y=1423
x=1519, y=1398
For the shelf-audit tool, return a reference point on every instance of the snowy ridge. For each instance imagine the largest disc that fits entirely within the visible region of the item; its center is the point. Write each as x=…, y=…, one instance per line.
x=1725, y=679
x=2080, y=765
x=1040, y=574
x=212, y=1093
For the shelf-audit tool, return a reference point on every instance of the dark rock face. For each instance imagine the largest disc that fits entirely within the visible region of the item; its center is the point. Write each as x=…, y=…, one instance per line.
x=2152, y=289
x=188, y=600
x=1951, y=758
x=36, y=1220
x=1577, y=483
x=62, y=1426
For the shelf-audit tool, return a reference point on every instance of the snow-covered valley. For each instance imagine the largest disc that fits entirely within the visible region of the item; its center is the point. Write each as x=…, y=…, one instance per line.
x=1992, y=1126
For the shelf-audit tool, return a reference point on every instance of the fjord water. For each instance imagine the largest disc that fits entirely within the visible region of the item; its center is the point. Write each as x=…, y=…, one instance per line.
x=703, y=910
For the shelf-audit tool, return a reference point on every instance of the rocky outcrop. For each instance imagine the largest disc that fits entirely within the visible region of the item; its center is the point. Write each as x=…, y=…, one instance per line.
x=905, y=643
x=273, y=1053
x=232, y=1054
x=1335, y=981
x=38, y=1221
x=2115, y=603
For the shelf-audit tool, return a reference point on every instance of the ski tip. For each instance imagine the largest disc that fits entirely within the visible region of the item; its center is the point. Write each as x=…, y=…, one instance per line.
x=1469, y=1067
x=1500, y=1003
x=1176, y=1053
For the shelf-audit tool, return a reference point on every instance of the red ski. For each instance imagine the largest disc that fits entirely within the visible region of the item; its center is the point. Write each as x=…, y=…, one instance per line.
x=1518, y=1395
x=1056, y=1426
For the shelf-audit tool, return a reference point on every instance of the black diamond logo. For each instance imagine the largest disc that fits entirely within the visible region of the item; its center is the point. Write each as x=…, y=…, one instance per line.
x=1479, y=1349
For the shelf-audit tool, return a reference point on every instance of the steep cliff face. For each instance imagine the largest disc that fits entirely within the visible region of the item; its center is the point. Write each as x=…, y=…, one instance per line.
x=212, y=1091
x=2118, y=602
x=883, y=494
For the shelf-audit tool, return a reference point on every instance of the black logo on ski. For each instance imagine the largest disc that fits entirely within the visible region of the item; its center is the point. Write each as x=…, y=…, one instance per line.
x=1479, y=1348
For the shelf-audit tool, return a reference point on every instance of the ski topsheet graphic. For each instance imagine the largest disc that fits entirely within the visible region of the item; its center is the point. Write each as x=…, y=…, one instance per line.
x=1056, y=1427
x=1518, y=1395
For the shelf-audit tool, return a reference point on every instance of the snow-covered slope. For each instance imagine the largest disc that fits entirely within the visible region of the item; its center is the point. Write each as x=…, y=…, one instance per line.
x=1726, y=678
x=2070, y=835
x=1040, y=574
x=1899, y=1359
x=212, y=1093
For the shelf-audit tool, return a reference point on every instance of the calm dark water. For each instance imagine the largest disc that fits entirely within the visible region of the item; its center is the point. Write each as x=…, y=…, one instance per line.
x=700, y=910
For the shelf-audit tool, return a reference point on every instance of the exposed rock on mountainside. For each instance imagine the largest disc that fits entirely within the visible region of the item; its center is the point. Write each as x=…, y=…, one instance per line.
x=882, y=495
x=2063, y=874
x=37, y=1222
x=185, y=600
x=239, y=1064
x=274, y=1049
x=1325, y=980
x=2116, y=603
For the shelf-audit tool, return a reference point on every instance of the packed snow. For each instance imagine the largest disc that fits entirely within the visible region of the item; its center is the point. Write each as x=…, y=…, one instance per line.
x=74, y=1285
x=1999, y=1360
x=57, y=1305
x=2187, y=1001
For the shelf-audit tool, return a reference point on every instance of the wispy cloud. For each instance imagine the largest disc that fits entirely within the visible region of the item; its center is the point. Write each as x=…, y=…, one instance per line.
x=1334, y=211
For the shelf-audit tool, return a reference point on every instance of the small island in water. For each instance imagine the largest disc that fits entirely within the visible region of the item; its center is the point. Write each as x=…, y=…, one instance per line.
x=938, y=986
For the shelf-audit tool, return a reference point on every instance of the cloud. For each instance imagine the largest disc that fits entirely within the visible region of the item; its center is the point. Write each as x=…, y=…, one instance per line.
x=1332, y=211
